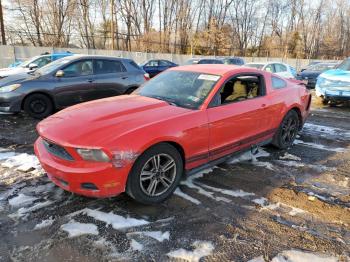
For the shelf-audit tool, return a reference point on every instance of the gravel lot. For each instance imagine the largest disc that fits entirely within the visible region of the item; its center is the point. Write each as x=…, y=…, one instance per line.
x=274, y=204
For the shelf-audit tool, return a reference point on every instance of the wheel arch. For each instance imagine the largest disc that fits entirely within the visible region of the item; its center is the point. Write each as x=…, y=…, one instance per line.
x=41, y=93
x=298, y=111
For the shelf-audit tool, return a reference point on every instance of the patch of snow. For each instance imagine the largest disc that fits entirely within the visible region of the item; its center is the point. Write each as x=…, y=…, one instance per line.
x=295, y=211
x=233, y=193
x=290, y=157
x=136, y=246
x=23, y=211
x=116, y=221
x=248, y=156
x=5, y=155
x=23, y=162
x=21, y=200
x=201, y=249
x=189, y=182
x=179, y=193
x=44, y=223
x=267, y=165
x=319, y=168
x=157, y=235
x=326, y=131
x=75, y=229
x=302, y=256
x=319, y=146
x=262, y=201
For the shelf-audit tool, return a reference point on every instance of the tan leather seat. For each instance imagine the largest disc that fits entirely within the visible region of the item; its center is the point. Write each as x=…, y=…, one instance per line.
x=239, y=91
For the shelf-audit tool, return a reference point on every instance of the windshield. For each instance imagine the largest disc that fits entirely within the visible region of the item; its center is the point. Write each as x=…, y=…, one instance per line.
x=29, y=61
x=321, y=67
x=180, y=88
x=345, y=65
x=52, y=66
x=257, y=66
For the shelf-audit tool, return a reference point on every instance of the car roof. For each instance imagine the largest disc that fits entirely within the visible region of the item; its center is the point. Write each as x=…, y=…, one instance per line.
x=217, y=69
x=76, y=56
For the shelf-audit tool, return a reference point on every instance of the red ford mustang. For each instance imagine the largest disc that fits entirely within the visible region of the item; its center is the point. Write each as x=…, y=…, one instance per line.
x=185, y=119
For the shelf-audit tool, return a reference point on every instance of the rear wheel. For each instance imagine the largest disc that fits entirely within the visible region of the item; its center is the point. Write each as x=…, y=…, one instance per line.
x=155, y=174
x=287, y=131
x=38, y=105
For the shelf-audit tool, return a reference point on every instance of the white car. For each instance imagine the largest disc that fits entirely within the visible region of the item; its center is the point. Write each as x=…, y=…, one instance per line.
x=277, y=68
x=32, y=64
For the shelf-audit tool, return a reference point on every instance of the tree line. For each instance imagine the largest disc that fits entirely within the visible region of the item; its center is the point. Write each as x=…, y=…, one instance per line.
x=280, y=28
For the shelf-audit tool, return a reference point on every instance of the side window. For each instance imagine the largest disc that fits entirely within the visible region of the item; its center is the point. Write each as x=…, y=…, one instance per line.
x=80, y=68
x=164, y=63
x=270, y=68
x=42, y=61
x=280, y=68
x=278, y=83
x=152, y=63
x=133, y=64
x=108, y=67
x=240, y=88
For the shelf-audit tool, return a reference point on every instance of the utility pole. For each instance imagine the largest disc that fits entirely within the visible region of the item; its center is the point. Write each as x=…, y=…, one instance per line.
x=3, y=38
x=112, y=24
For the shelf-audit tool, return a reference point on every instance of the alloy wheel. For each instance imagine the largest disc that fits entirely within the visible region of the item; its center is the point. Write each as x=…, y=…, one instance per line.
x=289, y=130
x=157, y=175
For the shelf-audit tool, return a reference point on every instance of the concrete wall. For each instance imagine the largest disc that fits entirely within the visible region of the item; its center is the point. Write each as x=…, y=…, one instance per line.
x=9, y=54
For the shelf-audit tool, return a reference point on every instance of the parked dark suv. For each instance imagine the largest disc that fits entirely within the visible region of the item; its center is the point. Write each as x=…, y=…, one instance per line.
x=69, y=81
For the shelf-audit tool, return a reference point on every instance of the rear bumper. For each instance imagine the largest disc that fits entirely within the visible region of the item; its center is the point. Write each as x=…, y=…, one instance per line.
x=92, y=179
x=10, y=102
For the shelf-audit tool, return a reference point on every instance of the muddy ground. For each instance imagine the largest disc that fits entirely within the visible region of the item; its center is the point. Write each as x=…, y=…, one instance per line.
x=252, y=206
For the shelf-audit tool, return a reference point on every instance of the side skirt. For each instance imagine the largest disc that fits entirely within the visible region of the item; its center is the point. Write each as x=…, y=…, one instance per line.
x=225, y=158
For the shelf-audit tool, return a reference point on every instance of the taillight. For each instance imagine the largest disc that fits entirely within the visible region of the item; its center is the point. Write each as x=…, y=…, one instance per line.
x=146, y=76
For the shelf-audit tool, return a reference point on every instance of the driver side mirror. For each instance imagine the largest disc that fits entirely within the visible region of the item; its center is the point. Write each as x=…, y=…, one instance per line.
x=59, y=73
x=32, y=66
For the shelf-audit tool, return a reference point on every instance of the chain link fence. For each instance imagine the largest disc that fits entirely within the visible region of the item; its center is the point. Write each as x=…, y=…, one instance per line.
x=10, y=54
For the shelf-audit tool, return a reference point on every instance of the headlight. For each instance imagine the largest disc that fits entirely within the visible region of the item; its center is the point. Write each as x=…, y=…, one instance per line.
x=9, y=88
x=93, y=155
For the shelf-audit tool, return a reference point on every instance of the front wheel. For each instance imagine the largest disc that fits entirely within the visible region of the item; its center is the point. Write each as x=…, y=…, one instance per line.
x=287, y=131
x=155, y=174
x=38, y=106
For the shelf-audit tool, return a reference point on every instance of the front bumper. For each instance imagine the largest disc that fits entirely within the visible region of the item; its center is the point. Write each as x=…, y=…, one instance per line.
x=92, y=179
x=10, y=102
x=333, y=94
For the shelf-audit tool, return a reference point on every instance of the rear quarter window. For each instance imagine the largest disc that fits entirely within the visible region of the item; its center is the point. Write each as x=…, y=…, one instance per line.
x=278, y=83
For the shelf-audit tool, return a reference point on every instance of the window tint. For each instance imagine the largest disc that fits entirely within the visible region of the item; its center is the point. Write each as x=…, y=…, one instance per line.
x=280, y=68
x=278, y=83
x=152, y=63
x=270, y=68
x=164, y=63
x=80, y=68
x=42, y=61
x=108, y=67
x=240, y=88
x=133, y=64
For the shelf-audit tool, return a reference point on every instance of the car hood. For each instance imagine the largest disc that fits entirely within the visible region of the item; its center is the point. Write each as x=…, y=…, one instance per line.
x=98, y=123
x=337, y=75
x=312, y=74
x=12, y=71
x=17, y=79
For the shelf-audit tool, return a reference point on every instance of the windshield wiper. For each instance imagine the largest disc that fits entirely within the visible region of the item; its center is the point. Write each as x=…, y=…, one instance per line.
x=165, y=99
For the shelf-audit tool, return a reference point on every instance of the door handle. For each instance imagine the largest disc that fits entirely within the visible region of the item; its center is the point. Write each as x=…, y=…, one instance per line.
x=90, y=80
x=124, y=77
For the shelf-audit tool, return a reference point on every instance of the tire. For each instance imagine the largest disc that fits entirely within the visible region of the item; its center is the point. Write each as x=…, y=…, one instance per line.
x=287, y=130
x=322, y=100
x=38, y=106
x=151, y=188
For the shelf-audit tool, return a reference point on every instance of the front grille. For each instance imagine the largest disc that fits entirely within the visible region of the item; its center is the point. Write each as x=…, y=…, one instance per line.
x=57, y=150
